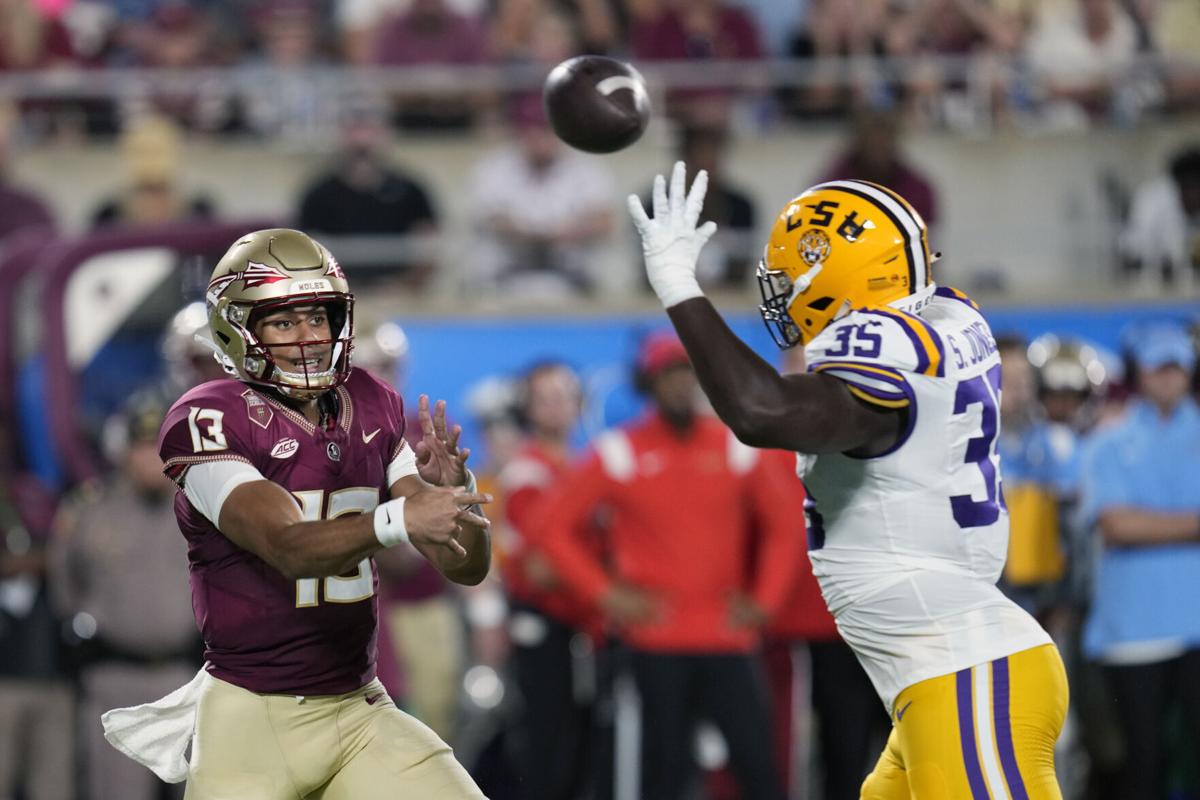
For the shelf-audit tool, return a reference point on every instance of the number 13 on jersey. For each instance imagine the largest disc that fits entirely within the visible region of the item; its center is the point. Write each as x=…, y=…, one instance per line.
x=316, y=505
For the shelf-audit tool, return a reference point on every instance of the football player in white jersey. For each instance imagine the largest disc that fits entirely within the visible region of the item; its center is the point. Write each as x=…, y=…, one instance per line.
x=896, y=423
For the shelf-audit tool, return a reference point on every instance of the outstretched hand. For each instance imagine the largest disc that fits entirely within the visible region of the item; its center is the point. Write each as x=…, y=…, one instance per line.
x=436, y=516
x=439, y=461
x=671, y=242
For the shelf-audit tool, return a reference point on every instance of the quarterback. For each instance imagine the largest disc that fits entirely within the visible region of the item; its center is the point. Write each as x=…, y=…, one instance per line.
x=291, y=477
x=895, y=423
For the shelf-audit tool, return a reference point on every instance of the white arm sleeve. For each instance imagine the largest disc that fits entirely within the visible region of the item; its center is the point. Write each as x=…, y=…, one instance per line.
x=403, y=465
x=209, y=485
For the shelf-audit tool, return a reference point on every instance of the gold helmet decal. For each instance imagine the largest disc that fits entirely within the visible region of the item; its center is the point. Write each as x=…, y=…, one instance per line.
x=838, y=246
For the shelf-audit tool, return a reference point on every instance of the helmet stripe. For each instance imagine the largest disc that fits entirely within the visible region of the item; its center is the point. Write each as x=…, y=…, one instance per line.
x=910, y=226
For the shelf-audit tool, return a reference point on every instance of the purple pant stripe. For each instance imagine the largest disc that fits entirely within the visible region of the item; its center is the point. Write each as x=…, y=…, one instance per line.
x=1008, y=758
x=966, y=735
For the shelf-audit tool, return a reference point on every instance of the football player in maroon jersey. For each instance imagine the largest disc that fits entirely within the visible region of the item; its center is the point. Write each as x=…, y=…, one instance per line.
x=291, y=478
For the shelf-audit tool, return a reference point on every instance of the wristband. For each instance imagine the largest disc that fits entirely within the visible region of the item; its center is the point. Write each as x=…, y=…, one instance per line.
x=389, y=523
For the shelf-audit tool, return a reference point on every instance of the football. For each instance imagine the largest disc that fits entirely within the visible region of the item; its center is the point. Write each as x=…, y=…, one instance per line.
x=596, y=104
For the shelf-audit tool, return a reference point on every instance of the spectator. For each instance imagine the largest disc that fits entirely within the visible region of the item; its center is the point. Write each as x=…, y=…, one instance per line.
x=838, y=29
x=362, y=194
x=177, y=36
x=726, y=262
x=873, y=154
x=1078, y=51
x=492, y=405
x=32, y=39
x=529, y=32
x=1033, y=467
x=1141, y=481
x=682, y=495
x=358, y=22
x=542, y=213
x=730, y=256
x=934, y=29
x=20, y=209
x=701, y=30
x=1161, y=241
x=123, y=582
x=553, y=632
x=428, y=33
x=152, y=194
x=37, y=709
x=421, y=636
x=285, y=103
x=1070, y=378
x=188, y=351
x=1174, y=28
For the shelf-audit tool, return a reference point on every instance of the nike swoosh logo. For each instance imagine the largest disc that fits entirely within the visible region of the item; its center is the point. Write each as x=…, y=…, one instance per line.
x=367, y=438
x=900, y=713
x=373, y=699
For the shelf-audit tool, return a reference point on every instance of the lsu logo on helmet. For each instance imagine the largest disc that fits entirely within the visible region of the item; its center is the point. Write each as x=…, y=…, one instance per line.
x=838, y=246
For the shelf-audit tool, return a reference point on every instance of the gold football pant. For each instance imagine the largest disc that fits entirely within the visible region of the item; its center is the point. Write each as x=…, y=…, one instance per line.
x=984, y=733
x=356, y=746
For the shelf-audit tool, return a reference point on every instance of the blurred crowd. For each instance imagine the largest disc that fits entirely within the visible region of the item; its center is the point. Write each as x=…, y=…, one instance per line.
x=543, y=222
x=959, y=63
x=581, y=668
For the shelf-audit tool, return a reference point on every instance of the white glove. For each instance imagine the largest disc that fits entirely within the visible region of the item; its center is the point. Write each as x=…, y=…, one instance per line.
x=671, y=241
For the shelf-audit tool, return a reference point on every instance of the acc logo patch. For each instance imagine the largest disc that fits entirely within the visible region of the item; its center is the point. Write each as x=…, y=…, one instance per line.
x=813, y=247
x=285, y=448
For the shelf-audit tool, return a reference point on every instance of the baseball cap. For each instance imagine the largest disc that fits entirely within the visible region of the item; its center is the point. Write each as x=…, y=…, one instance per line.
x=660, y=350
x=1162, y=343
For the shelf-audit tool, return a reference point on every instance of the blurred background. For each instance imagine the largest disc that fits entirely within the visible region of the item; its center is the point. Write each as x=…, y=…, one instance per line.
x=1053, y=148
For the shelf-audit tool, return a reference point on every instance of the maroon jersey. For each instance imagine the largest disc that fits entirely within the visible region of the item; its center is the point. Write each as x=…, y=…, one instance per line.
x=262, y=631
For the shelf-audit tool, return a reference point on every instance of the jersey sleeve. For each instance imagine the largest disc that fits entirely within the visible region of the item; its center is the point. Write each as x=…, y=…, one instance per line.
x=386, y=409
x=875, y=352
x=209, y=423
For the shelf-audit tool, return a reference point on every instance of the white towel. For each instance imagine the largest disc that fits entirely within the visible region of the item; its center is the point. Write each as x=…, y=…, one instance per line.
x=158, y=734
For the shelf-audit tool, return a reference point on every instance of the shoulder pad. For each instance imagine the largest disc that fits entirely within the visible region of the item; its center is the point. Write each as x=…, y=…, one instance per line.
x=882, y=337
x=212, y=422
x=875, y=351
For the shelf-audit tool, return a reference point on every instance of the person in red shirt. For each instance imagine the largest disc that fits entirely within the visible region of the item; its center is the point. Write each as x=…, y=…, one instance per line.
x=682, y=498
x=873, y=153
x=551, y=630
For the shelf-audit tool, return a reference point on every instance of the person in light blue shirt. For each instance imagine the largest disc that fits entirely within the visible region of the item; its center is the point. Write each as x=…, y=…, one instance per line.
x=1031, y=466
x=1141, y=492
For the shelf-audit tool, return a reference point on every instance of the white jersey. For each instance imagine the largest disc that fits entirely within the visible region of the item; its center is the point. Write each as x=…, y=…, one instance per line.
x=908, y=545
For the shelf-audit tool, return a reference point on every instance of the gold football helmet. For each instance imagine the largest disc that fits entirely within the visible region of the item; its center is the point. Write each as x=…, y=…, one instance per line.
x=839, y=246
x=266, y=271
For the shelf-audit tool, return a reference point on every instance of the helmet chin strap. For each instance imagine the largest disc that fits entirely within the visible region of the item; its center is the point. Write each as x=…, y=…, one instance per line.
x=913, y=303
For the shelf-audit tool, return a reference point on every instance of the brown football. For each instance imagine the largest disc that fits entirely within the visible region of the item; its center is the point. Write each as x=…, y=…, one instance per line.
x=596, y=104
